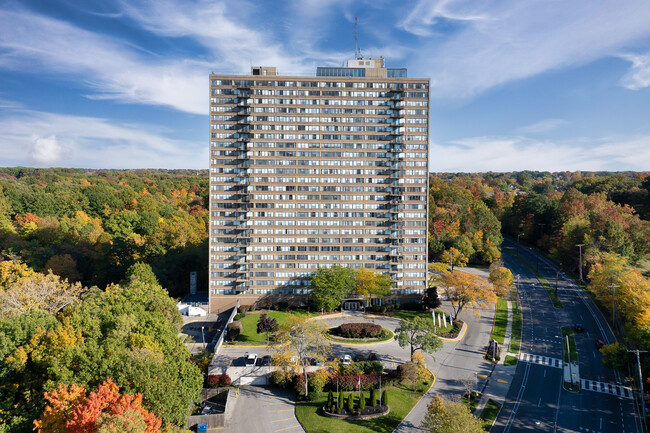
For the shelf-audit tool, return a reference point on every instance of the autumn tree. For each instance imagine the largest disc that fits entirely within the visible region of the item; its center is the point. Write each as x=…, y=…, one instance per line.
x=465, y=289
x=69, y=409
x=370, y=283
x=444, y=416
x=502, y=279
x=302, y=339
x=430, y=300
x=417, y=333
x=331, y=285
x=23, y=290
x=454, y=257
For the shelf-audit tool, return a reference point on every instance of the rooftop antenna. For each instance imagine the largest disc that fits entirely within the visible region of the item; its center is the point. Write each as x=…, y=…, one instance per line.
x=357, y=51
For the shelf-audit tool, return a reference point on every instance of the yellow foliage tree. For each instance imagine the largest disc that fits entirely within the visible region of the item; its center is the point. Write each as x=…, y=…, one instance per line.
x=465, y=289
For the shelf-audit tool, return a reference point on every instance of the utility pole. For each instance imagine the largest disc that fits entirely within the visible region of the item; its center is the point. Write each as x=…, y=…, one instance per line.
x=580, y=247
x=638, y=361
x=613, y=287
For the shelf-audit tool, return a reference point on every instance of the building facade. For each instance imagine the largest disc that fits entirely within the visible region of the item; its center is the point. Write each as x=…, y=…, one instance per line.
x=316, y=171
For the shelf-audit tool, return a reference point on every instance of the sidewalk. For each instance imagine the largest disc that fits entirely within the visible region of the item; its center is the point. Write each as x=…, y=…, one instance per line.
x=498, y=382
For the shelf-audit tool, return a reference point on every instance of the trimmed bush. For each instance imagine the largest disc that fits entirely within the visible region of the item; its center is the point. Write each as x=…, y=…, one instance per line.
x=224, y=380
x=362, y=401
x=373, y=397
x=340, y=404
x=384, y=398
x=350, y=406
x=359, y=330
x=330, y=400
x=239, y=316
x=212, y=381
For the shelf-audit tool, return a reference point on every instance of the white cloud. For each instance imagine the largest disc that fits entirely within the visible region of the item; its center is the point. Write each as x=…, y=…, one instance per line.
x=638, y=76
x=514, y=40
x=542, y=126
x=45, y=150
x=89, y=142
x=481, y=154
x=426, y=14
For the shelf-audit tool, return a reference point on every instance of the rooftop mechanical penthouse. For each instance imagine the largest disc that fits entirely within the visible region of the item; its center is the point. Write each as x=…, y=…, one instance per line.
x=315, y=171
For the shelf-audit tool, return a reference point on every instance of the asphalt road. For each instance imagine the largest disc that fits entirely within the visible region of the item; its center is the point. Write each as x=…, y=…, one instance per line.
x=537, y=400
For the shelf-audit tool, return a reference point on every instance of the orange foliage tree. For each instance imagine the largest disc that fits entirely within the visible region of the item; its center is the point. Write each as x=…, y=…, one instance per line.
x=465, y=289
x=70, y=409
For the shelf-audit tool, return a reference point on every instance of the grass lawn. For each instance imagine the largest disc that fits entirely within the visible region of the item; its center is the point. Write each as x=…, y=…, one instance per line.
x=515, y=337
x=249, y=333
x=573, y=351
x=489, y=414
x=471, y=404
x=500, y=321
x=510, y=360
x=400, y=399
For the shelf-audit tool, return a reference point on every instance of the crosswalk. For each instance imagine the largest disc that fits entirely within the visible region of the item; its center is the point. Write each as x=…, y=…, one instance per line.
x=605, y=388
x=548, y=340
x=541, y=360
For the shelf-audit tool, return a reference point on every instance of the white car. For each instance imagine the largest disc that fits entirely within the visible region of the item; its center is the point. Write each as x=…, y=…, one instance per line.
x=251, y=359
x=347, y=359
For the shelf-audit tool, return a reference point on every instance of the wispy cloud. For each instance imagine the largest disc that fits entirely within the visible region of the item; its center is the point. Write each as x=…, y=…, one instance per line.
x=480, y=154
x=638, y=76
x=517, y=40
x=48, y=139
x=542, y=126
x=424, y=17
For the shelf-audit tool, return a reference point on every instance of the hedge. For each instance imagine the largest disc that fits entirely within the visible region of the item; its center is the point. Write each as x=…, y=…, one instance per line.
x=359, y=330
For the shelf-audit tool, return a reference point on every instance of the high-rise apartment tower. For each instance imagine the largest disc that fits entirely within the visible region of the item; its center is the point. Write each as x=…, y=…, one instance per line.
x=311, y=171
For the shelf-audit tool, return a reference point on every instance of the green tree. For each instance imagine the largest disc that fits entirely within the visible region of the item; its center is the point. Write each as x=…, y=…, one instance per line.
x=418, y=334
x=331, y=285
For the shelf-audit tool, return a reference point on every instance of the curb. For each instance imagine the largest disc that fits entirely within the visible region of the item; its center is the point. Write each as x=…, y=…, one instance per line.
x=460, y=336
x=416, y=403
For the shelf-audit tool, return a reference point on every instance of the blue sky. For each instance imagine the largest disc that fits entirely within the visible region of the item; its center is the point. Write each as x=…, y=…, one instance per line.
x=539, y=85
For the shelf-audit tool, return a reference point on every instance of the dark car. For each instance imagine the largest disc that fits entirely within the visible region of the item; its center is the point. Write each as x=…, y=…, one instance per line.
x=359, y=357
x=578, y=327
x=372, y=356
x=600, y=343
x=266, y=360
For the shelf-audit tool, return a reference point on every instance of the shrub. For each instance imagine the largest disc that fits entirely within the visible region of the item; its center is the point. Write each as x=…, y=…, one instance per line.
x=359, y=330
x=212, y=380
x=282, y=379
x=239, y=316
x=350, y=406
x=362, y=401
x=369, y=367
x=234, y=331
x=384, y=398
x=349, y=383
x=330, y=399
x=317, y=381
x=340, y=403
x=373, y=397
x=224, y=380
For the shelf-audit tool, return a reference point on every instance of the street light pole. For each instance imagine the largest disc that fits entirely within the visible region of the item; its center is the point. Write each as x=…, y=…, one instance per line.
x=203, y=337
x=638, y=361
x=580, y=247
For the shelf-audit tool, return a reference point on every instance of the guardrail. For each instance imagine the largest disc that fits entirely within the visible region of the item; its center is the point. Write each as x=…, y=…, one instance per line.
x=222, y=335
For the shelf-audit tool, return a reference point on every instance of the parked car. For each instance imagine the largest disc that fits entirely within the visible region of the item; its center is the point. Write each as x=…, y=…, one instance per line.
x=251, y=359
x=600, y=343
x=266, y=360
x=347, y=359
x=578, y=327
x=359, y=357
x=372, y=356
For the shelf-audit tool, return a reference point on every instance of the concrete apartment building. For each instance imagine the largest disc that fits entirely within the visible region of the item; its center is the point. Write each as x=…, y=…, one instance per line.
x=310, y=171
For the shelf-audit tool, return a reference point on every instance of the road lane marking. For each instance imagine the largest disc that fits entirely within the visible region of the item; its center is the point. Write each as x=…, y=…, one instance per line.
x=286, y=428
x=286, y=419
x=502, y=381
x=606, y=388
x=541, y=360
